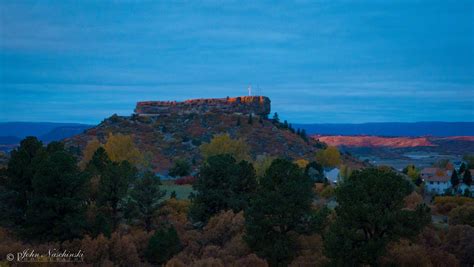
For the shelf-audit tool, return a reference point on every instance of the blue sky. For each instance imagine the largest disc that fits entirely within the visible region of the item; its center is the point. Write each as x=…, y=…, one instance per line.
x=319, y=61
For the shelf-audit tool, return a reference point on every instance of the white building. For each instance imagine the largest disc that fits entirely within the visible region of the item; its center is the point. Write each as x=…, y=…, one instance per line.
x=436, y=180
x=333, y=175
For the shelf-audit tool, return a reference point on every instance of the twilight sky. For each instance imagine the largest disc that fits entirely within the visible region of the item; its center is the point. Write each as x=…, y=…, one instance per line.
x=319, y=61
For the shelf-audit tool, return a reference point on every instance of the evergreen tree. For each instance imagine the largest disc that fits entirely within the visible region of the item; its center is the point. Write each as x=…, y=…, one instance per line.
x=454, y=178
x=180, y=168
x=303, y=134
x=280, y=206
x=56, y=210
x=462, y=168
x=298, y=131
x=275, y=118
x=467, y=177
x=145, y=197
x=113, y=187
x=285, y=124
x=292, y=130
x=173, y=195
x=111, y=181
x=250, y=120
x=222, y=184
x=238, y=121
x=315, y=172
x=260, y=119
x=370, y=215
x=163, y=245
x=22, y=167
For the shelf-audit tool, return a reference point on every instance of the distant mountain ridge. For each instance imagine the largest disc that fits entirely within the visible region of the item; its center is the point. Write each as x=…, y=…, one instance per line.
x=439, y=129
x=13, y=132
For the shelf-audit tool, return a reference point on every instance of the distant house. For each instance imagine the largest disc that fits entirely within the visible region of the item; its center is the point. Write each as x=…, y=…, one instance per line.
x=427, y=173
x=436, y=180
x=332, y=174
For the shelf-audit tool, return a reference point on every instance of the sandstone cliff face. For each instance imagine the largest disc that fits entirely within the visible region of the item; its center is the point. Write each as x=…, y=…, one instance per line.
x=258, y=105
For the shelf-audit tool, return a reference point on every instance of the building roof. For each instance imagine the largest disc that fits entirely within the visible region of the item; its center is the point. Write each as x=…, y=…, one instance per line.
x=438, y=178
x=431, y=171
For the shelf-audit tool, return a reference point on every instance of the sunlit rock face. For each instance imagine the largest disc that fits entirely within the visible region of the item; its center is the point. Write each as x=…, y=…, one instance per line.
x=258, y=105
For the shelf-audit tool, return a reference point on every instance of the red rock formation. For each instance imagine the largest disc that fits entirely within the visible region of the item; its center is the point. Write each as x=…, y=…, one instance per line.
x=374, y=141
x=259, y=105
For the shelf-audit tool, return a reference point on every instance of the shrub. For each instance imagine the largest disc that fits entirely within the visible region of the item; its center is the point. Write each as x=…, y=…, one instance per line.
x=452, y=199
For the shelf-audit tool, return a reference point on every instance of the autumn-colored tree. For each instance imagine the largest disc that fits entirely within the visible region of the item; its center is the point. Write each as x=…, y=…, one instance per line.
x=88, y=152
x=302, y=163
x=329, y=157
x=413, y=200
x=345, y=172
x=121, y=147
x=462, y=215
x=262, y=163
x=459, y=242
x=404, y=253
x=412, y=172
x=223, y=144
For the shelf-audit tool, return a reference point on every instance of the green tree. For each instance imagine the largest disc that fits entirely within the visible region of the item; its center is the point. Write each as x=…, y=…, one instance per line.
x=315, y=171
x=250, y=120
x=454, y=178
x=275, y=118
x=222, y=184
x=163, y=245
x=180, y=168
x=370, y=214
x=469, y=159
x=112, y=181
x=56, y=210
x=467, y=177
x=173, y=194
x=281, y=205
x=145, y=198
x=22, y=167
x=462, y=168
x=303, y=134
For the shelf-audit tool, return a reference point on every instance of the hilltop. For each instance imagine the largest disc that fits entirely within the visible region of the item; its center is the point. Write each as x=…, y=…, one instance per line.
x=169, y=130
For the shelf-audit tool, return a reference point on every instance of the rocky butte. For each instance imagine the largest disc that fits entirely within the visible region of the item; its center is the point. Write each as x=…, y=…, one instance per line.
x=256, y=105
x=165, y=131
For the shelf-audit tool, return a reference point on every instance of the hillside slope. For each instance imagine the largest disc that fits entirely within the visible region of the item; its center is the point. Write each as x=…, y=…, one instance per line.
x=166, y=138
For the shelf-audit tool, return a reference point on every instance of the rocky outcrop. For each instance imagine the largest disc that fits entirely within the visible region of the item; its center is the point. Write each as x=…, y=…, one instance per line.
x=258, y=105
